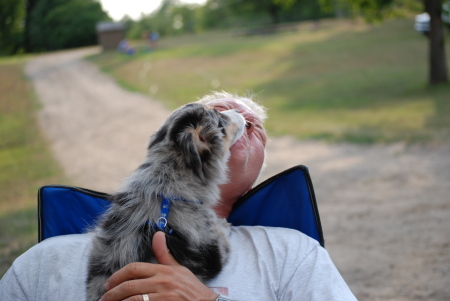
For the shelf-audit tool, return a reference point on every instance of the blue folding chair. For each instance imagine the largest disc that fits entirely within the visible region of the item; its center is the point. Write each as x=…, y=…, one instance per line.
x=284, y=200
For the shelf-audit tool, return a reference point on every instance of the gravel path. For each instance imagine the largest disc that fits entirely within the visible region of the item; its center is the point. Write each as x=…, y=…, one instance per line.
x=385, y=210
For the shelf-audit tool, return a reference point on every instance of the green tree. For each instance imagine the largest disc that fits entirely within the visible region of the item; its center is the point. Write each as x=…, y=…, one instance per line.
x=272, y=8
x=184, y=19
x=73, y=24
x=59, y=24
x=37, y=30
x=243, y=13
x=215, y=14
x=12, y=17
x=171, y=18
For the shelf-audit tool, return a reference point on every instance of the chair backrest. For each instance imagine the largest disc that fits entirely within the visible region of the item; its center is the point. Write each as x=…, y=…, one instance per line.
x=284, y=200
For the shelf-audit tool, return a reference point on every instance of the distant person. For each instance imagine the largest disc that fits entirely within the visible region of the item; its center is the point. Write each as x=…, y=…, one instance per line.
x=153, y=39
x=126, y=47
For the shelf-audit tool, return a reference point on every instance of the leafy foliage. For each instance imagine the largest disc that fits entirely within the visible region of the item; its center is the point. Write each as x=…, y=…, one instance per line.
x=59, y=24
x=12, y=14
x=170, y=19
x=31, y=25
x=173, y=18
x=259, y=12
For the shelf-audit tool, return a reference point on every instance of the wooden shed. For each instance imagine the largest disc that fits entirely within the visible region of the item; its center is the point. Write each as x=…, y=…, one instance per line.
x=110, y=34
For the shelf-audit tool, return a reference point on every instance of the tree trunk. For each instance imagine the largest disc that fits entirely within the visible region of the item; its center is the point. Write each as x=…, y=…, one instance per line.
x=27, y=30
x=273, y=12
x=437, y=59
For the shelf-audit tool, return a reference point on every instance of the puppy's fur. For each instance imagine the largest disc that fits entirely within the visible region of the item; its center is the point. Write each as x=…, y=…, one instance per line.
x=186, y=159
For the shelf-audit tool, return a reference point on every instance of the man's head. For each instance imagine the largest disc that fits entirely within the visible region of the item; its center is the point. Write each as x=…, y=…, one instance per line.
x=248, y=153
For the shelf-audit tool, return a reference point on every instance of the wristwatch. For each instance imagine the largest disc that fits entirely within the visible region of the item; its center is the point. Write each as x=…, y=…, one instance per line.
x=223, y=298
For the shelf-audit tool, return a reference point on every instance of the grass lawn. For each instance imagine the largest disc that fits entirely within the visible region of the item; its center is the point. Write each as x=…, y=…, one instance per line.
x=25, y=163
x=344, y=81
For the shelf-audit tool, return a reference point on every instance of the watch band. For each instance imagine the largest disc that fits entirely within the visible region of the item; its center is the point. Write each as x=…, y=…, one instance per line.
x=223, y=298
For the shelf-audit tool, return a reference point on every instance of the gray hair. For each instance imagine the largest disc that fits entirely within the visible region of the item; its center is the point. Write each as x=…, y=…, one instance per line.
x=254, y=106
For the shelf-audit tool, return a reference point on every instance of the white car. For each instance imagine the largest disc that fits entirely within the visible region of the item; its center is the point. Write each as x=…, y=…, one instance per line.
x=422, y=21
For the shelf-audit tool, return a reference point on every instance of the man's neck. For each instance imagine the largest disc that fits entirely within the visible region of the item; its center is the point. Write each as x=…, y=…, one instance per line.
x=223, y=210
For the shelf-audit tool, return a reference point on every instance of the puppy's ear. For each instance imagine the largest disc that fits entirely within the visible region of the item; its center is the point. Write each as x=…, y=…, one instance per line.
x=195, y=148
x=158, y=137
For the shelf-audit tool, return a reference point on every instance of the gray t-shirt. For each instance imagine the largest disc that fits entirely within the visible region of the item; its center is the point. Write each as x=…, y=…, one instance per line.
x=265, y=264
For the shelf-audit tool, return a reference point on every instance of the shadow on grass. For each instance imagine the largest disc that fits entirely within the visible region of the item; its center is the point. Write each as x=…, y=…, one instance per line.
x=439, y=122
x=362, y=87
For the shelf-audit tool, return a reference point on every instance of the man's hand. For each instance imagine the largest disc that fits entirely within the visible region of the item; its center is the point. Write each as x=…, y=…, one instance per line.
x=165, y=281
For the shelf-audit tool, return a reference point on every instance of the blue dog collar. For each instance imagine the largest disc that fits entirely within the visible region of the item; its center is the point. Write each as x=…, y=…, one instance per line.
x=161, y=223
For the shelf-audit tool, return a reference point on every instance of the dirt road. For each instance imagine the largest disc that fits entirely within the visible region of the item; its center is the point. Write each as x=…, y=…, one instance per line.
x=385, y=209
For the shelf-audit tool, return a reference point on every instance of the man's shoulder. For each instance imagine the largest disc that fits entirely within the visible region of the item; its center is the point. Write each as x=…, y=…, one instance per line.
x=54, y=247
x=57, y=262
x=281, y=240
x=276, y=233
x=65, y=241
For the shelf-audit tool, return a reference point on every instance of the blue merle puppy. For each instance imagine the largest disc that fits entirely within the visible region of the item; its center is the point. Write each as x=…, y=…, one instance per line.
x=174, y=191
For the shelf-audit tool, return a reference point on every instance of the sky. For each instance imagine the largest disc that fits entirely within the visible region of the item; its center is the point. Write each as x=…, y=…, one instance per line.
x=133, y=8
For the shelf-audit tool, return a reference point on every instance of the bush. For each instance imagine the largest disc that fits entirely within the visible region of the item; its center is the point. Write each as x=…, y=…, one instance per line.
x=64, y=24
